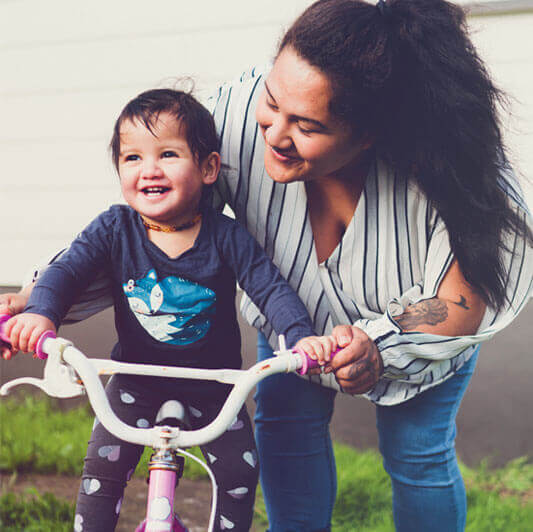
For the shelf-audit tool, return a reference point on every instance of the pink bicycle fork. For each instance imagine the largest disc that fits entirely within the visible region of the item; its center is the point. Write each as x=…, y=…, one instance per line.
x=165, y=468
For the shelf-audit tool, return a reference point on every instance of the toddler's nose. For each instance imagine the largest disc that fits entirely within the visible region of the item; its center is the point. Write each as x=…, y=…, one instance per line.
x=151, y=170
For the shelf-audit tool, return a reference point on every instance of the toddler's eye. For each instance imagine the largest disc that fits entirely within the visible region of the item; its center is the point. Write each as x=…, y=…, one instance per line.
x=169, y=153
x=131, y=157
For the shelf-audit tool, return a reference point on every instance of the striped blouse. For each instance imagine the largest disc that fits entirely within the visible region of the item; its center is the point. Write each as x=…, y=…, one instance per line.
x=394, y=252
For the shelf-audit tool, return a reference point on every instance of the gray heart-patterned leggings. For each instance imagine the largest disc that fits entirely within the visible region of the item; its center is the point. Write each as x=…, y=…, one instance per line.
x=110, y=462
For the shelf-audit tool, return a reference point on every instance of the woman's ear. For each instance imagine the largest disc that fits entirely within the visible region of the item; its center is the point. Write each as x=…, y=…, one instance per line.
x=210, y=168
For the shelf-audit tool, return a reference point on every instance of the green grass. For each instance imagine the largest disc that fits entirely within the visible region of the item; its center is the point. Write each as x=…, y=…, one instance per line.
x=500, y=499
x=36, y=436
x=33, y=512
x=364, y=494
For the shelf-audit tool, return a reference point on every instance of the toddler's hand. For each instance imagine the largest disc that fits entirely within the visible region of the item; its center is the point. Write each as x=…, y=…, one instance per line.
x=25, y=329
x=318, y=348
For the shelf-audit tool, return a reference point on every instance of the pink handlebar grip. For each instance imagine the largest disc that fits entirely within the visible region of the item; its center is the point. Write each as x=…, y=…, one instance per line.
x=39, y=348
x=307, y=362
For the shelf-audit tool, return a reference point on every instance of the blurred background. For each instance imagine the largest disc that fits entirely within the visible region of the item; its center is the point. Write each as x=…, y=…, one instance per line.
x=67, y=68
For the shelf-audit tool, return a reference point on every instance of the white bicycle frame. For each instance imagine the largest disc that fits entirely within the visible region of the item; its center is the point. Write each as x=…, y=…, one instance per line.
x=65, y=364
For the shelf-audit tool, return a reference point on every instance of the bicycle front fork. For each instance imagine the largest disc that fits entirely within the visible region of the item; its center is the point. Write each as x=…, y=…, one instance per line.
x=165, y=469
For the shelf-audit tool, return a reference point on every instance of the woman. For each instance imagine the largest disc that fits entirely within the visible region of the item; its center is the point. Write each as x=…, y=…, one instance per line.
x=369, y=164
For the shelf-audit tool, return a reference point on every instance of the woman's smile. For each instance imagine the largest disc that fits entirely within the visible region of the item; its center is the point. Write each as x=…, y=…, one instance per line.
x=284, y=156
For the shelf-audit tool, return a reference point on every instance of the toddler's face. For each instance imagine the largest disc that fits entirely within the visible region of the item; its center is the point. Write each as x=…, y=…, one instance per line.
x=160, y=178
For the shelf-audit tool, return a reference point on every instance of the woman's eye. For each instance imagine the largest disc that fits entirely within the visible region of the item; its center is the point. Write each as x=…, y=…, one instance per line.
x=131, y=157
x=305, y=130
x=169, y=153
x=272, y=105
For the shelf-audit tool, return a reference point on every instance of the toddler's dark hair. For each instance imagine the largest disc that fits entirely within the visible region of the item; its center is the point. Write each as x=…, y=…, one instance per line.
x=199, y=125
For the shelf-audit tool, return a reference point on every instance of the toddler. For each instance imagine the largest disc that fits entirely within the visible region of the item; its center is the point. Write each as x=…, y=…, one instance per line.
x=174, y=263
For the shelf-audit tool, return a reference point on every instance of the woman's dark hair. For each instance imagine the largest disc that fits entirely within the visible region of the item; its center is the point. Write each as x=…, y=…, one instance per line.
x=200, y=130
x=406, y=75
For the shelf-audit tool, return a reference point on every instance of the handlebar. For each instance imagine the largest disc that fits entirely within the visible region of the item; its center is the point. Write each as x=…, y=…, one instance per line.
x=65, y=363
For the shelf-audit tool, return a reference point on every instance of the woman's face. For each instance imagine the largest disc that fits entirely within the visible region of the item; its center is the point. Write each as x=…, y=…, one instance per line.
x=303, y=140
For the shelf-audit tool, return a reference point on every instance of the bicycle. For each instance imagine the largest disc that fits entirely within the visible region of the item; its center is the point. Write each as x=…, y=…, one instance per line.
x=69, y=373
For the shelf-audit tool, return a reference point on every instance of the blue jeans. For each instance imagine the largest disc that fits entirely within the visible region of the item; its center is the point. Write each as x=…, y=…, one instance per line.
x=416, y=440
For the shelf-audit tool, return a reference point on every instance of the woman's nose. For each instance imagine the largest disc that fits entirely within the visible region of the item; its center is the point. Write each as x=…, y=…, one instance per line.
x=277, y=134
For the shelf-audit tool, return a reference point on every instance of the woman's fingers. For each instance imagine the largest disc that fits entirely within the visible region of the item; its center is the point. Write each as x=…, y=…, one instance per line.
x=358, y=366
x=362, y=384
x=4, y=304
x=12, y=303
x=361, y=375
x=343, y=334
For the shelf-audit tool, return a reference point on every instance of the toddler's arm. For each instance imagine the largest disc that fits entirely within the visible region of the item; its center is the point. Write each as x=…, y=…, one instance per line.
x=25, y=329
x=262, y=281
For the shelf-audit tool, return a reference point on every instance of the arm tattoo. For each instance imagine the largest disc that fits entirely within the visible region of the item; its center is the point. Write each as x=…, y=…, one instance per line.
x=462, y=303
x=430, y=312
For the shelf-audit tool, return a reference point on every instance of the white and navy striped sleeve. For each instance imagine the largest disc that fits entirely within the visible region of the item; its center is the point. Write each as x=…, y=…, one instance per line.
x=416, y=361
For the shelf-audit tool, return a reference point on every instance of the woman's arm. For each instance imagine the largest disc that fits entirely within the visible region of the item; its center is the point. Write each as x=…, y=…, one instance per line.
x=432, y=328
x=457, y=310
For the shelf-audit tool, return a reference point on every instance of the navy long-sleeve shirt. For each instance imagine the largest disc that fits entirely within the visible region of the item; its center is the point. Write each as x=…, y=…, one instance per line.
x=180, y=311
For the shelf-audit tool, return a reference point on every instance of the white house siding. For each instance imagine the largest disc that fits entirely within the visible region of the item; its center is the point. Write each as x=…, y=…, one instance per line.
x=67, y=67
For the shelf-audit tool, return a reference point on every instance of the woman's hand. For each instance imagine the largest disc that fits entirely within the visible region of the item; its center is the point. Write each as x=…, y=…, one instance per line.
x=358, y=365
x=24, y=331
x=12, y=303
